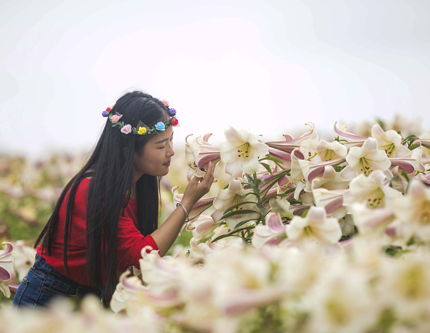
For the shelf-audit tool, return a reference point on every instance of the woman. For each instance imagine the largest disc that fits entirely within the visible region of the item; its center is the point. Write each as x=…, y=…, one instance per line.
x=108, y=212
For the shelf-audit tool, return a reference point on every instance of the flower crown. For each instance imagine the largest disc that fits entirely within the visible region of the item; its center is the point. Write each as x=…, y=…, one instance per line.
x=141, y=128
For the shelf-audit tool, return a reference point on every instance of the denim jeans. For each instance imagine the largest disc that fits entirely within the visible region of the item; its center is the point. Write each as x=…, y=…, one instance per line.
x=43, y=283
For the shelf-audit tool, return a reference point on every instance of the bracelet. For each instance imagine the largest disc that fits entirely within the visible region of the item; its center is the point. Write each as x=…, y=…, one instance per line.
x=187, y=219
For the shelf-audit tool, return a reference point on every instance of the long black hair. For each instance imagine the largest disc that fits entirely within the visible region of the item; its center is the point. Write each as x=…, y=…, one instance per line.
x=111, y=167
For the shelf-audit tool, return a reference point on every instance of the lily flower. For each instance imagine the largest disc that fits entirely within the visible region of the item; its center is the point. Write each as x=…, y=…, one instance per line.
x=410, y=162
x=330, y=180
x=198, y=208
x=371, y=221
x=330, y=151
x=24, y=259
x=198, y=154
x=331, y=201
x=231, y=196
x=284, y=157
x=272, y=233
x=367, y=158
x=290, y=143
x=6, y=269
x=389, y=141
x=315, y=226
x=413, y=211
x=373, y=190
x=352, y=139
x=304, y=171
x=241, y=151
x=203, y=227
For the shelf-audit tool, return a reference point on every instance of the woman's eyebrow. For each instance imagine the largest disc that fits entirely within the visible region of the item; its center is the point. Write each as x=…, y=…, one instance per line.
x=163, y=140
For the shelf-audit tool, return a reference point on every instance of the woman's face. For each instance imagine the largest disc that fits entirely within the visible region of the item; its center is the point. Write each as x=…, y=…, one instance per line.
x=154, y=158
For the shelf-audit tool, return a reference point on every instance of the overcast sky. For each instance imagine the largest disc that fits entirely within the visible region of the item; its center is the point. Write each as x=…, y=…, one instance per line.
x=269, y=66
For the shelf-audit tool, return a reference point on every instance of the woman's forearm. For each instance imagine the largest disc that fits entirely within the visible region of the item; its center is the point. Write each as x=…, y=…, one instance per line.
x=166, y=234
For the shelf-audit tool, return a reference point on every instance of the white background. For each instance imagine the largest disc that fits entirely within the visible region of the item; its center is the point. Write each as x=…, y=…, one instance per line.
x=269, y=66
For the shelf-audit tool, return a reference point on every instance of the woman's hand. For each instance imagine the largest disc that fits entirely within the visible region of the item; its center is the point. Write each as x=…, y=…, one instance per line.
x=166, y=234
x=198, y=187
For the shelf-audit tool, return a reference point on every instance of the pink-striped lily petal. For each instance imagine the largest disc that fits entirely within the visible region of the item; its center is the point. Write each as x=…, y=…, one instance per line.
x=335, y=204
x=4, y=275
x=290, y=143
x=348, y=135
x=205, y=225
x=9, y=249
x=251, y=300
x=297, y=153
x=274, y=222
x=380, y=216
x=425, y=143
x=215, y=158
x=13, y=288
x=299, y=209
x=403, y=164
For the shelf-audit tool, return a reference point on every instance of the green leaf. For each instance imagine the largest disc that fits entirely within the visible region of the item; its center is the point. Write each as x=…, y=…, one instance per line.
x=270, y=158
x=381, y=123
x=267, y=167
x=404, y=174
x=285, y=194
x=339, y=168
x=243, y=196
x=239, y=212
x=237, y=205
x=232, y=233
x=412, y=147
x=241, y=223
x=294, y=202
x=409, y=139
x=305, y=212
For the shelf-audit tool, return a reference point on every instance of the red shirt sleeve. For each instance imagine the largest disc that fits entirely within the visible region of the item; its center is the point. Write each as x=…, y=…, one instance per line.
x=130, y=243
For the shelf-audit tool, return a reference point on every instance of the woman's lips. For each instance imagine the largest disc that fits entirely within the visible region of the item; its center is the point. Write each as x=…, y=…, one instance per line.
x=167, y=164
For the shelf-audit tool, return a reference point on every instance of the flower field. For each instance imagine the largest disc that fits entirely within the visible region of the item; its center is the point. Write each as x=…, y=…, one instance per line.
x=303, y=234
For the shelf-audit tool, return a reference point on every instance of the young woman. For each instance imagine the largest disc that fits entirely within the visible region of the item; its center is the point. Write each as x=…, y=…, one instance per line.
x=108, y=212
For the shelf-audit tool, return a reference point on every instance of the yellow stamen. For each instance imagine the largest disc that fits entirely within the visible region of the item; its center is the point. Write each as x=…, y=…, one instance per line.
x=244, y=150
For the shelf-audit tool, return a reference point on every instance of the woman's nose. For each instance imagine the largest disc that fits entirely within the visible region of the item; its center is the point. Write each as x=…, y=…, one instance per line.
x=171, y=151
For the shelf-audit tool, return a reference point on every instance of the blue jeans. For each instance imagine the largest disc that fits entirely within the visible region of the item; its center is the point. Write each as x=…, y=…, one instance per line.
x=43, y=283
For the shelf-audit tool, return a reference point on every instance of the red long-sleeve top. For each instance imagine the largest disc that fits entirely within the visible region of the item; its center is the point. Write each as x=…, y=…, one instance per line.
x=130, y=241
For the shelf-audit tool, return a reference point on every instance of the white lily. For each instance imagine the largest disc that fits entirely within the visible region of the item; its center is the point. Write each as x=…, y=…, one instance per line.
x=203, y=227
x=330, y=180
x=231, y=196
x=371, y=221
x=389, y=141
x=367, y=158
x=410, y=162
x=272, y=233
x=330, y=151
x=289, y=144
x=24, y=258
x=198, y=154
x=198, y=208
x=331, y=201
x=6, y=269
x=372, y=190
x=315, y=226
x=352, y=140
x=413, y=212
x=241, y=151
x=308, y=147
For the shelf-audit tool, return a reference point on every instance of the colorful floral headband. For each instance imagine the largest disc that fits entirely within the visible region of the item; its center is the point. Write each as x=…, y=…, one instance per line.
x=141, y=128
